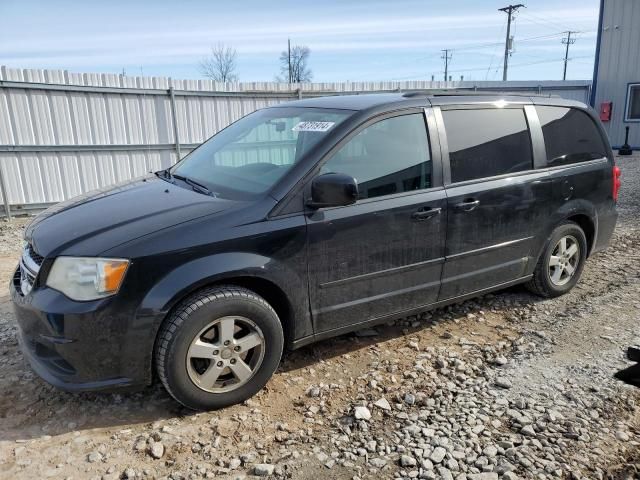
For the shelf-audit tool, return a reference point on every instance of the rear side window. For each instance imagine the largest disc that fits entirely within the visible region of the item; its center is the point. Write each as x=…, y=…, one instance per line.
x=487, y=142
x=390, y=156
x=570, y=136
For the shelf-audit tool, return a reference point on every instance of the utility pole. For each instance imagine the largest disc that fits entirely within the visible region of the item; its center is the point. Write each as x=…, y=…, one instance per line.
x=446, y=57
x=507, y=44
x=567, y=41
x=289, y=50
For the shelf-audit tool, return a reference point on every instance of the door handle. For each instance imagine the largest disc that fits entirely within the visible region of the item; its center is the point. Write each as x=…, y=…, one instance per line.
x=425, y=213
x=467, y=205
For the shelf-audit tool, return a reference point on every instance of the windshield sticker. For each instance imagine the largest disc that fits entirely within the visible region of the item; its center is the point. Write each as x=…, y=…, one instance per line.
x=313, y=126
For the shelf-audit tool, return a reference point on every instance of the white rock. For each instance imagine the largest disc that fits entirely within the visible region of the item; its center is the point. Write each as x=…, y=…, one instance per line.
x=445, y=474
x=490, y=451
x=263, y=469
x=438, y=455
x=528, y=431
x=500, y=360
x=503, y=382
x=383, y=404
x=361, y=413
x=157, y=450
x=483, y=476
x=407, y=461
x=622, y=436
x=378, y=462
x=94, y=457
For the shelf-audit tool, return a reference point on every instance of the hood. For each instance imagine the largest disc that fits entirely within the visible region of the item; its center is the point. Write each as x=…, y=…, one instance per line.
x=92, y=223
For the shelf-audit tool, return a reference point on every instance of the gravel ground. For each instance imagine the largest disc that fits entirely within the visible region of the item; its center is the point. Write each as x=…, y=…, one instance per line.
x=503, y=387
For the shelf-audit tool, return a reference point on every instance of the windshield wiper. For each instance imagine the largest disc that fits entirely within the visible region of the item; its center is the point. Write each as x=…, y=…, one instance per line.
x=198, y=187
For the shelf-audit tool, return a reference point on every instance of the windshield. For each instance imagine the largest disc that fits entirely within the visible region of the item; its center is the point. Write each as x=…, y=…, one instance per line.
x=251, y=155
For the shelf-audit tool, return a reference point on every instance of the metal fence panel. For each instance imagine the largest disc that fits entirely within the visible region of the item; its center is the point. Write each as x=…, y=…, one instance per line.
x=63, y=134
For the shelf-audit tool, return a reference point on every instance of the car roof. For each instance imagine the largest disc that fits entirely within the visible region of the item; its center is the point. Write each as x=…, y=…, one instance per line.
x=390, y=101
x=350, y=102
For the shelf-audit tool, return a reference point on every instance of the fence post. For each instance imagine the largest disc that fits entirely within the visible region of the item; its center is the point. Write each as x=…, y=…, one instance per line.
x=174, y=118
x=5, y=193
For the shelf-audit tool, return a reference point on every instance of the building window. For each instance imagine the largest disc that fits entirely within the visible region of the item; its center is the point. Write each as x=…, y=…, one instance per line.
x=632, y=112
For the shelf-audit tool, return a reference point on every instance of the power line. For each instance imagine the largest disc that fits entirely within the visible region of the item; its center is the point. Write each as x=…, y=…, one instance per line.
x=495, y=52
x=514, y=65
x=543, y=21
x=497, y=44
x=567, y=41
x=508, y=41
x=493, y=44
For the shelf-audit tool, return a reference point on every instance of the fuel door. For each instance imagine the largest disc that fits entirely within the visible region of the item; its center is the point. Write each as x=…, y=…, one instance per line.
x=566, y=188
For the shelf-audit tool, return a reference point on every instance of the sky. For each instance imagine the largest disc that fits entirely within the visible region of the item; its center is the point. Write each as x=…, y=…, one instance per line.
x=350, y=40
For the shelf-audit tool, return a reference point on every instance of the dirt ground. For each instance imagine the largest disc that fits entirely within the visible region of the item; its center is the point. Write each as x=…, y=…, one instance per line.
x=505, y=386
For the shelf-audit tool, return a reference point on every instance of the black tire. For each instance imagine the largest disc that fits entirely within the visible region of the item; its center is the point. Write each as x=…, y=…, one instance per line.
x=541, y=283
x=183, y=325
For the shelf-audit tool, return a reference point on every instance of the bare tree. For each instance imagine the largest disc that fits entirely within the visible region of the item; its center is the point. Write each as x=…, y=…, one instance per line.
x=221, y=64
x=299, y=70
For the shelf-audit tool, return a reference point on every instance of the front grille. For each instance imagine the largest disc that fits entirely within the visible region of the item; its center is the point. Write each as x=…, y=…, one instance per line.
x=29, y=267
x=17, y=275
x=38, y=259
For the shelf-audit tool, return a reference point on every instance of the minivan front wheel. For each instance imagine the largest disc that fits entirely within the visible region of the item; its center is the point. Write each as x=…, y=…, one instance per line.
x=560, y=266
x=219, y=347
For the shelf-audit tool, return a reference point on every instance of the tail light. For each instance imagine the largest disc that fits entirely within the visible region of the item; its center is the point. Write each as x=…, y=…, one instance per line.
x=616, y=182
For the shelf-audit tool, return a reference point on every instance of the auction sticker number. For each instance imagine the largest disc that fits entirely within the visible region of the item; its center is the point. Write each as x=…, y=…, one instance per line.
x=313, y=126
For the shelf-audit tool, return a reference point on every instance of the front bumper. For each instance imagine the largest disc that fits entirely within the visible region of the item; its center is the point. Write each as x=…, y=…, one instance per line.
x=79, y=346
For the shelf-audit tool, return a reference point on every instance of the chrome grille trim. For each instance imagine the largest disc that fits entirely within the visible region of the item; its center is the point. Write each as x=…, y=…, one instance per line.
x=29, y=263
x=38, y=259
x=29, y=268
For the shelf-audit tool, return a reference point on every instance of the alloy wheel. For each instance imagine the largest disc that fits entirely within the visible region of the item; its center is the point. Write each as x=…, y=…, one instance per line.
x=225, y=354
x=564, y=260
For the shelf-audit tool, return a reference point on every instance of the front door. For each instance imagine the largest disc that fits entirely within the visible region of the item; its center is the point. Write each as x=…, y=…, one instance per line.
x=496, y=199
x=384, y=253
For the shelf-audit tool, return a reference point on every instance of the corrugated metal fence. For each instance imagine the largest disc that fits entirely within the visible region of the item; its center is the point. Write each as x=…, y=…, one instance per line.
x=63, y=134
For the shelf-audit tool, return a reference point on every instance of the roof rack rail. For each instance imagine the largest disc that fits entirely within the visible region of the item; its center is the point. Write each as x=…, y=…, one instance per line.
x=447, y=92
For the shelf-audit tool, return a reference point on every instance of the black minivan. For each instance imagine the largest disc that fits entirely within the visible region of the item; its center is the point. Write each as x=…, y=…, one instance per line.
x=307, y=220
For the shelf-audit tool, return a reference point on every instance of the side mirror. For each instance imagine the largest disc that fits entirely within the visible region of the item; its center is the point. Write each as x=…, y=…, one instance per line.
x=333, y=190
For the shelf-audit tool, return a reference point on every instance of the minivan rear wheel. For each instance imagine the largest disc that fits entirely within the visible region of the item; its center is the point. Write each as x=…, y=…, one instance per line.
x=219, y=347
x=560, y=265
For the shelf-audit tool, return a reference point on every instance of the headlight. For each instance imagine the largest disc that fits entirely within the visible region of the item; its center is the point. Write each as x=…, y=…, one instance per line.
x=84, y=278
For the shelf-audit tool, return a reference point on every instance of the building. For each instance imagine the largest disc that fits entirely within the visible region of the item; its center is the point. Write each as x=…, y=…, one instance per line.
x=615, y=91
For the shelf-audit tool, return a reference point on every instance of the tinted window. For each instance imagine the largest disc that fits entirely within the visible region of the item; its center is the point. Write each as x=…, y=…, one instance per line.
x=484, y=143
x=570, y=136
x=391, y=156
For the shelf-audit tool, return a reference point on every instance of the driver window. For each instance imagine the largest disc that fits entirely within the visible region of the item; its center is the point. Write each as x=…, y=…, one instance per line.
x=390, y=156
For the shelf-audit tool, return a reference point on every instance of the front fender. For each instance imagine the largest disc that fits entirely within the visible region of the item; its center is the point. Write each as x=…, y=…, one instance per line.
x=200, y=272
x=217, y=268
